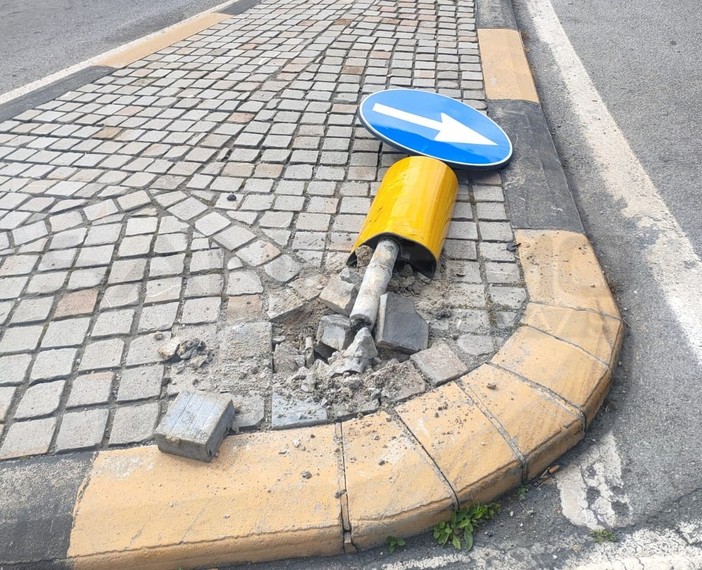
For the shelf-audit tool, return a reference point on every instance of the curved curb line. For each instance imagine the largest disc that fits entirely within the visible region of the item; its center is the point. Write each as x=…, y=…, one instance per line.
x=328, y=489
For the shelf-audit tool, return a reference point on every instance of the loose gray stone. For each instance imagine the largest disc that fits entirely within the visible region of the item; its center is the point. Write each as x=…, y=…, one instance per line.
x=399, y=325
x=439, y=364
x=250, y=410
x=357, y=357
x=284, y=303
x=195, y=425
x=288, y=411
x=339, y=295
x=352, y=276
x=355, y=406
x=333, y=333
x=284, y=358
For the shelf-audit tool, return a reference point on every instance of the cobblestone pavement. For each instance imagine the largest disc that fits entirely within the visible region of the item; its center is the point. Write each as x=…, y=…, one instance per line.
x=208, y=191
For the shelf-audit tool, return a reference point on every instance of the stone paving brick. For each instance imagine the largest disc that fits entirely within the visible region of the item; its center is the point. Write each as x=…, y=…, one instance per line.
x=6, y=395
x=20, y=339
x=120, y=296
x=207, y=260
x=496, y=231
x=82, y=430
x=87, y=278
x=475, y=345
x=40, y=400
x=144, y=349
x=488, y=194
x=204, y=285
x=5, y=309
x=32, y=310
x=18, y=265
x=78, y=303
x=51, y=364
x=241, y=283
x=283, y=268
x=13, y=368
x=102, y=354
x=140, y=383
x=61, y=259
x=111, y=323
x=233, y=238
x=95, y=256
x=138, y=226
x=439, y=364
x=167, y=265
x=127, y=270
x=11, y=287
x=258, y=253
x=506, y=273
x=28, y=438
x=158, y=317
x=46, y=283
x=134, y=246
x=90, y=389
x=69, y=332
x=133, y=424
x=202, y=310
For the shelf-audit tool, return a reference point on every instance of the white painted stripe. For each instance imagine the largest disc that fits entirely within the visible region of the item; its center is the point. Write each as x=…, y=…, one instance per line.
x=44, y=81
x=671, y=257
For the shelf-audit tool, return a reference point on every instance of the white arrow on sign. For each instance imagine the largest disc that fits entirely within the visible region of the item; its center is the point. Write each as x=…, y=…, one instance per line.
x=450, y=130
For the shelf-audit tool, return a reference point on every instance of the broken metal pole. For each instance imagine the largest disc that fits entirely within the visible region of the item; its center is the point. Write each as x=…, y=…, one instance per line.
x=375, y=283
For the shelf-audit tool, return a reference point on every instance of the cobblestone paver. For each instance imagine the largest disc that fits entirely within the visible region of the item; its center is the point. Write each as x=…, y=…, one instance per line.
x=207, y=189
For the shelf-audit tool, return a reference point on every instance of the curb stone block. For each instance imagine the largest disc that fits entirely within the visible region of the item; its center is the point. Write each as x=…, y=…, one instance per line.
x=559, y=426
x=254, y=506
x=393, y=488
x=472, y=454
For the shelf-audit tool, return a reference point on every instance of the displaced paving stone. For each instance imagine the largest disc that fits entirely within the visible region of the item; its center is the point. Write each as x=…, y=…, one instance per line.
x=195, y=425
x=439, y=364
x=140, y=383
x=474, y=344
x=357, y=357
x=40, y=400
x=335, y=333
x=357, y=405
x=90, y=389
x=81, y=430
x=28, y=438
x=284, y=358
x=339, y=295
x=258, y=253
x=250, y=410
x=246, y=340
x=399, y=325
x=134, y=424
x=284, y=303
x=289, y=411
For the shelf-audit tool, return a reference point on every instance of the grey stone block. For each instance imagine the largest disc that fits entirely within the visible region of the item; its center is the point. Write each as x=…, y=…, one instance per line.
x=333, y=333
x=250, y=410
x=439, y=364
x=400, y=326
x=195, y=425
x=339, y=295
x=475, y=344
x=288, y=411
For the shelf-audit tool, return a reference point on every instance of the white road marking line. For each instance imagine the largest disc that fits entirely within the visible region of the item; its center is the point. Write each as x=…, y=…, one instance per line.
x=670, y=256
x=597, y=473
x=44, y=81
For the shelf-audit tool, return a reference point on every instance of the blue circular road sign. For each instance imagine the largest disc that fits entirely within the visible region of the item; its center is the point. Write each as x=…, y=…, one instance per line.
x=430, y=124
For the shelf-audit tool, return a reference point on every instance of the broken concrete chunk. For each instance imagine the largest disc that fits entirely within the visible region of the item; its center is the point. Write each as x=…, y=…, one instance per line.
x=284, y=303
x=288, y=411
x=400, y=326
x=439, y=364
x=284, y=358
x=351, y=276
x=357, y=357
x=334, y=332
x=339, y=295
x=195, y=425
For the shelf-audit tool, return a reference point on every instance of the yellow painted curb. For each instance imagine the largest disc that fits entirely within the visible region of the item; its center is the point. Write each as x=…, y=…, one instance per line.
x=154, y=43
x=329, y=489
x=506, y=70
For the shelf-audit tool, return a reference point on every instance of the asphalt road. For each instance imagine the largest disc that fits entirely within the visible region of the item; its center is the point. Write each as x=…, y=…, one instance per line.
x=41, y=37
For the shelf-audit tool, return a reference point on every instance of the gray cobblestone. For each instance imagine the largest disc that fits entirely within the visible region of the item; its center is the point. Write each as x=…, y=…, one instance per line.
x=140, y=383
x=204, y=285
x=133, y=424
x=81, y=430
x=69, y=332
x=20, y=339
x=40, y=400
x=51, y=364
x=32, y=310
x=102, y=354
x=158, y=317
x=202, y=310
x=90, y=389
x=28, y=438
